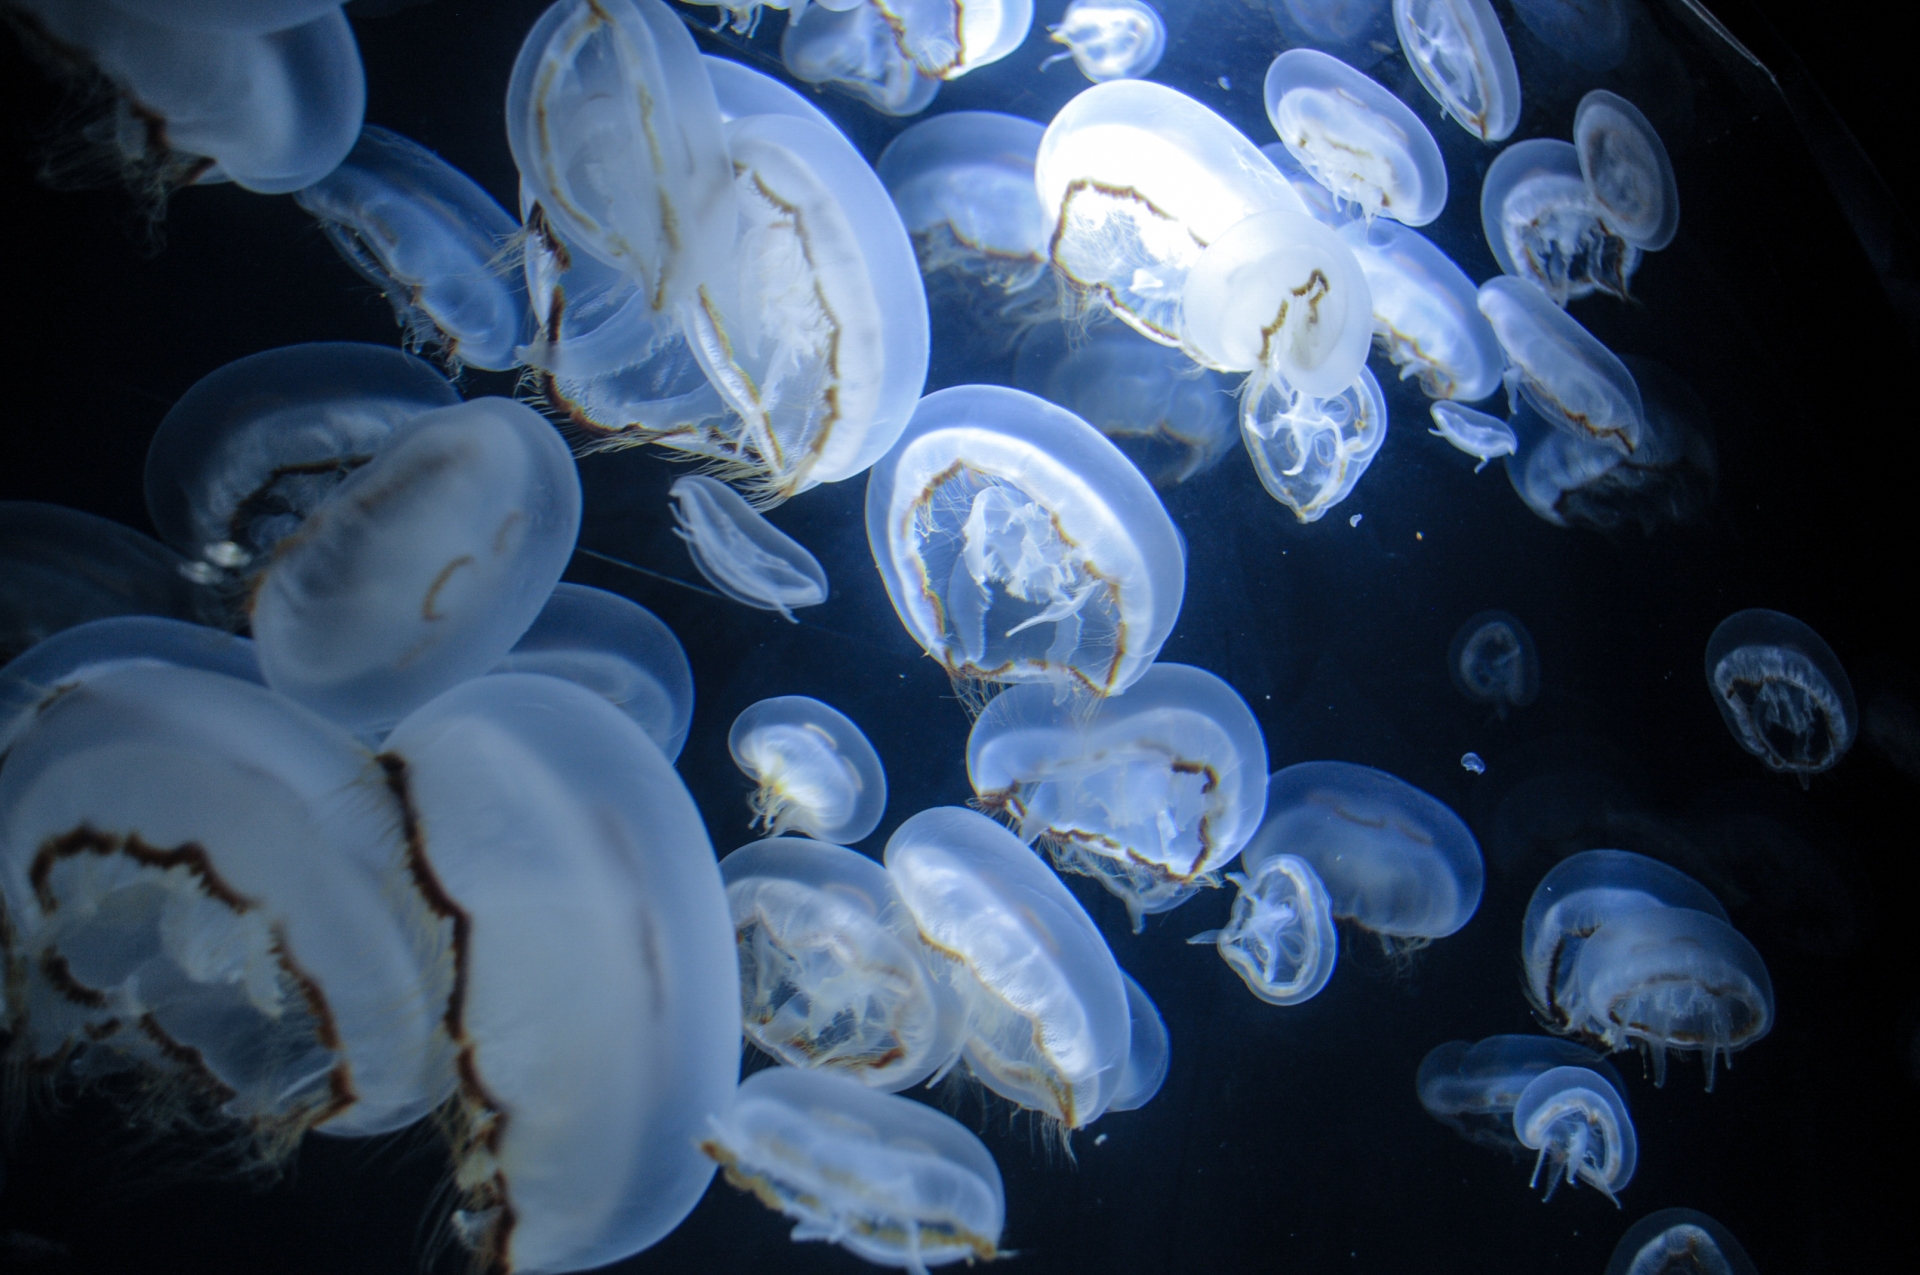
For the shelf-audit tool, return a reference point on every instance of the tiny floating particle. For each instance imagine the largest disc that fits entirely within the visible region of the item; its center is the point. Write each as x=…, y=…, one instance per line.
x=1472, y=762
x=1100, y=1141
x=1355, y=520
x=1226, y=83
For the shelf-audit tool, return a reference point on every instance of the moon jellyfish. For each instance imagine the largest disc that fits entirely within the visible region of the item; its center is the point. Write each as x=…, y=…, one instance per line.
x=617, y=649
x=1472, y=1088
x=1590, y=33
x=1426, y=314
x=424, y=567
x=1018, y=545
x=855, y=49
x=884, y=1177
x=1110, y=39
x=1478, y=434
x=425, y=234
x=1321, y=205
x=740, y=552
x=1782, y=691
x=963, y=184
x=1627, y=170
x=1147, y=1055
x=1394, y=860
x=60, y=567
x=1137, y=180
x=816, y=773
x=1279, y=938
x=1311, y=452
x=1150, y=792
x=1493, y=661
x=1460, y=55
x=1357, y=139
x=1046, y=1008
x=1575, y=1118
x=1544, y=225
x=1679, y=1242
x=1472, y=764
x=833, y=974
x=948, y=38
x=1562, y=370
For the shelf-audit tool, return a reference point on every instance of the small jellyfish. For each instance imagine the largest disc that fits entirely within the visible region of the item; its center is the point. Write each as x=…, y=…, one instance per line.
x=1578, y=1122
x=963, y=183
x=1472, y=1088
x=1493, y=661
x=1148, y=1053
x=833, y=974
x=1110, y=39
x=740, y=552
x=1679, y=1242
x=425, y=234
x=1426, y=314
x=855, y=49
x=1460, y=55
x=887, y=1178
x=1590, y=33
x=1544, y=225
x=1357, y=139
x=816, y=773
x=1279, y=937
x=1782, y=691
x=1311, y=452
x=1047, y=1019
x=617, y=649
x=1150, y=792
x=1478, y=434
x=1472, y=763
x=1627, y=170
x=1561, y=369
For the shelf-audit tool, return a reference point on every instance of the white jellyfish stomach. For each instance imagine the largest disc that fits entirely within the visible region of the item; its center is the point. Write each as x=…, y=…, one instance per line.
x=1544, y=225
x=1784, y=694
x=1311, y=452
x=1279, y=938
x=1426, y=316
x=1460, y=55
x=1018, y=545
x=1561, y=369
x=1110, y=39
x=1357, y=139
x=813, y=769
x=742, y=554
x=1480, y=435
x=1577, y=1121
x=1626, y=168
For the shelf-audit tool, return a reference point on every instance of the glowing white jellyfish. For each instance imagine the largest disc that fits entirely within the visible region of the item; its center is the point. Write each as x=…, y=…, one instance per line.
x=255, y=446
x=1110, y=39
x=1627, y=170
x=963, y=183
x=1357, y=139
x=1018, y=545
x=1460, y=55
x=619, y=650
x=425, y=234
x=854, y=48
x=1426, y=316
x=1561, y=369
x=1311, y=452
x=1782, y=691
x=1590, y=33
x=740, y=552
x=423, y=568
x=60, y=567
x=1150, y=792
x=815, y=771
x=1137, y=180
x=887, y=1178
x=1148, y=1054
x=1578, y=1122
x=1492, y=660
x=1279, y=937
x=1047, y=1019
x=1679, y=1242
x=1544, y=225
x=1472, y=1088
x=1480, y=435
x=833, y=973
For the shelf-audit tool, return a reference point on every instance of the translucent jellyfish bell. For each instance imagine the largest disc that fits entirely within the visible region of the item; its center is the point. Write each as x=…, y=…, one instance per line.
x=60, y=567
x=1590, y=33
x=1147, y=1055
x=1426, y=316
x=740, y=552
x=1110, y=39
x=1360, y=141
x=1493, y=661
x=887, y=1178
x=1311, y=452
x=739, y=90
x=1473, y=1088
x=833, y=974
x=855, y=49
x=1782, y=691
x=1279, y=937
x=1543, y=224
x=1460, y=55
x=1478, y=434
x=1627, y=170
x=1150, y=792
x=1018, y=545
x=1320, y=202
x=1563, y=371
x=1047, y=1019
x=816, y=773
x=1679, y=1242
x=1577, y=1121
x=963, y=183
x=425, y=234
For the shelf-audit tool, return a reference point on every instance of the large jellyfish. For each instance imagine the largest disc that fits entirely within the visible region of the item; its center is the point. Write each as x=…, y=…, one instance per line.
x=1310, y=452
x=1110, y=39
x=1590, y=33
x=1561, y=369
x=1460, y=55
x=833, y=973
x=1472, y=1088
x=1150, y=792
x=1478, y=434
x=885, y=1177
x=853, y=47
x=60, y=567
x=1578, y=1122
x=1019, y=545
x=1782, y=692
x=1279, y=937
x=1492, y=660
x=814, y=769
x=1357, y=139
x=1148, y=1054
x=1426, y=316
x=740, y=552
x=1047, y=1019
x=1626, y=168
x=422, y=232
x=1545, y=226
x=1679, y=1242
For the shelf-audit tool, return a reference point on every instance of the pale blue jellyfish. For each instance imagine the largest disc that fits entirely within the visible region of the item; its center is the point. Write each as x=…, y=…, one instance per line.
x=1782, y=691
x=1147, y=1056
x=1627, y=171
x=1578, y=1122
x=854, y=49
x=740, y=552
x=1280, y=937
x=1358, y=140
x=963, y=183
x=1311, y=452
x=1590, y=33
x=1492, y=660
x=60, y=567
x=1460, y=55
x=1544, y=225
x=1473, y=1087
x=1110, y=39
x=1426, y=316
x=1679, y=1242
x=813, y=769
x=1561, y=369
x=1479, y=435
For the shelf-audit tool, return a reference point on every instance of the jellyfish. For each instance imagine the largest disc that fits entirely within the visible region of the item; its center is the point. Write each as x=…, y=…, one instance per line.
x=1356, y=30
x=1478, y=434
x=1311, y=452
x=1046, y=1009
x=1473, y=764
x=1321, y=205
x=1018, y=545
x=1460, y=55
x=886, y=1178
x=1591, y=33
x=1357, y=139
x=1151, y=792
x=1426, y=316
x=963, y=184
x=744, y=15
x=1493, y=661
x=1545, y=226
x=1472, y=1088
x=1626, y=169
x=1578, y=1122
x=948, y=38
x=1110, y=39
x=855, y=49
x=422, y=232
x=1393, y=859
x=740, y=552
x=833, y=973
x=619, y=650
x=1679, y=1242
x=1148, y=1053
x=423, y=567
x=816, y=773
x=1279, y=937
x=1561, y=369
x=739, y=90
x=1782, y=691
x=1172, y=419
x=1137, y=180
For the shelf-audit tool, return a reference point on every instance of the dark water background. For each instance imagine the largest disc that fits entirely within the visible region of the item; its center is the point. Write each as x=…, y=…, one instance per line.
x=1285, y=1139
